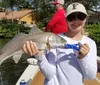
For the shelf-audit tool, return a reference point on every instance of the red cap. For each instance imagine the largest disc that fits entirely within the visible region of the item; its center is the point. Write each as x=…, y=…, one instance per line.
x=58, y=2
x=55, y=2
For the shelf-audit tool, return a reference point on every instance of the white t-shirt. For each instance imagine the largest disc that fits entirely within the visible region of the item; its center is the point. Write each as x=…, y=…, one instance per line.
x=62, y=67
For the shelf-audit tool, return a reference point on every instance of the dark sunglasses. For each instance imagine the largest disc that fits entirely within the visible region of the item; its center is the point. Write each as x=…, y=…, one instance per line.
x=74, y=16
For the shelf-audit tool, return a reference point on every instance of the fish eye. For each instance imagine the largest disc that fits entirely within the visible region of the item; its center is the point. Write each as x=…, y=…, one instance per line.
x=62, y=39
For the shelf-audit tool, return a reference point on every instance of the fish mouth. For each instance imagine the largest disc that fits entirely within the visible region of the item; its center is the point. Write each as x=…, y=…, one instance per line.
x=55, y=42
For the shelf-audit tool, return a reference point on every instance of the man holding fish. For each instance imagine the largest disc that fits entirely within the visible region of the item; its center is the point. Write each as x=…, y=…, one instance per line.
x=71, y=63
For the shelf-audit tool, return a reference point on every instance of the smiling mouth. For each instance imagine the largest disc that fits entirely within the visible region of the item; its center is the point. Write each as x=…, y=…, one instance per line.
x=76, y=24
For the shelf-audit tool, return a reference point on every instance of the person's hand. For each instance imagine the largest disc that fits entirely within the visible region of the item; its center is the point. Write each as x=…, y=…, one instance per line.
x=83, y=51
x=30, y=48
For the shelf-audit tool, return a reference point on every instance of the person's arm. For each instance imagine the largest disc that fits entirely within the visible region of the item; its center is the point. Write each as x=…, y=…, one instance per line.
x=52, y=23
x=88, y=64
x=47, y=66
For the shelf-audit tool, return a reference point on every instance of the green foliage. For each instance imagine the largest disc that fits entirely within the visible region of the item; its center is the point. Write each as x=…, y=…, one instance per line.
x=13, y=3
x=7, y=29
x=94, y=32
x=43, y=9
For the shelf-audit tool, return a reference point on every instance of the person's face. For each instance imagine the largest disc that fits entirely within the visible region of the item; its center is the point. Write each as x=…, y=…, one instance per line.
x=56, y=6
x=76, y=21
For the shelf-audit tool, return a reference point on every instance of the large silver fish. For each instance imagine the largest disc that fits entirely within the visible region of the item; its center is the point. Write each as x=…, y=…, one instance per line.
x=43, y=40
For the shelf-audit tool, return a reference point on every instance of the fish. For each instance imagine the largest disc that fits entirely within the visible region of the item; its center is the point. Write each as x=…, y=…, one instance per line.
x=43, y=40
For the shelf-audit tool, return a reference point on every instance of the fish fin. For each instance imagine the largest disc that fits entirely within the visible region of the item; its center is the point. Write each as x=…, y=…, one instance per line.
x=17, y=56
x=34, y=30
x=0, y=52
x=13, y=42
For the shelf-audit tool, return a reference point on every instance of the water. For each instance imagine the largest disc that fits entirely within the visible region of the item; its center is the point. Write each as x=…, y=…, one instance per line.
x=10, y=72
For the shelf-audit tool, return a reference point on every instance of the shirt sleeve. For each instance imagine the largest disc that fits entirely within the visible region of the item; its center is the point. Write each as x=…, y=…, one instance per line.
x=47, y=64
x=52, y=22
x=89, y=63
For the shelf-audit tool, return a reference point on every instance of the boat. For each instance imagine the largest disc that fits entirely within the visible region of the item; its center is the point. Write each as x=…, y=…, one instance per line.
x=98, y=63
x=33, y=76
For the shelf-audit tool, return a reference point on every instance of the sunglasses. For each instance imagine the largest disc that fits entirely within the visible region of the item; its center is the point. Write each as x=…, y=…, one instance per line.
x=75, y=16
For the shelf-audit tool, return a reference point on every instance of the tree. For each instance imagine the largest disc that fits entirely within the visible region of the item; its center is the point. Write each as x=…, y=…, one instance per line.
x=11, y=4
x=44, y=9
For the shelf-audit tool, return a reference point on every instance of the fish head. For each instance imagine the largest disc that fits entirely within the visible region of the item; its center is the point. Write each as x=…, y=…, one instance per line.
x=55, y=41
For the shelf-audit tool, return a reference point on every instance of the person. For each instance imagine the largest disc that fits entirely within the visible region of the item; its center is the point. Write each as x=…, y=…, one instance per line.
x=68, y=66
x=57, y=24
